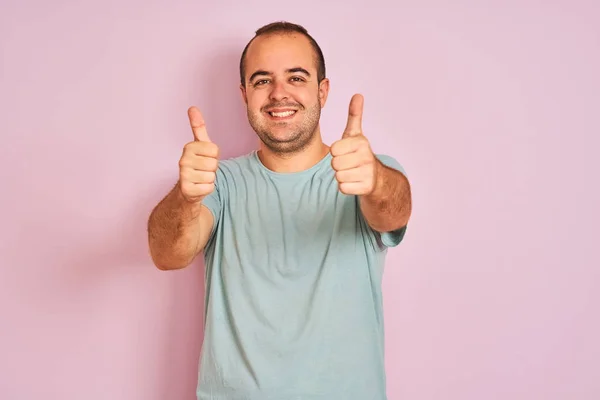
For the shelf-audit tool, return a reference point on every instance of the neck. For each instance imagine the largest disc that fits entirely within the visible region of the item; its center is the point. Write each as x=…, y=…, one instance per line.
x=294, y=162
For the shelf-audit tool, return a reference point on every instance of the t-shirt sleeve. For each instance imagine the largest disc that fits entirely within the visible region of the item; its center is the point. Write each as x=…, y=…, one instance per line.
x=213, y=203
x=391, y=238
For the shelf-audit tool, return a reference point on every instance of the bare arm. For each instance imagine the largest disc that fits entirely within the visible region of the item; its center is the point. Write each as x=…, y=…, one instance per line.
x=179, y=226
x=178, y=230
x=384, y=193
x=388, y=207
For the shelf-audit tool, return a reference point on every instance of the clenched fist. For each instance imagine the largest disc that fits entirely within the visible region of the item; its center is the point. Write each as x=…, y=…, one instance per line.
x=355, y=165
x=199, y=161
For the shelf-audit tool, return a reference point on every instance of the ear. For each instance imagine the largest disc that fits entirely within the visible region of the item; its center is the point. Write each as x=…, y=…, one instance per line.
x=243, y=94
x=323, y=91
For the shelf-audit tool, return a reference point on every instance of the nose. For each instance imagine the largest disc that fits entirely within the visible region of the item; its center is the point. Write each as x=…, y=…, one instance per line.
x=278, y=91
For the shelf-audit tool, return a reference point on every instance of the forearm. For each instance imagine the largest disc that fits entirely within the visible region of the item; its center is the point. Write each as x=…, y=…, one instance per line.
x=174, y=231
x=389, y=206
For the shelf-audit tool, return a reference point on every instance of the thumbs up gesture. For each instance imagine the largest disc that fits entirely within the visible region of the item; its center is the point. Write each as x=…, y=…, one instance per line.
x=199, y=161
x=355, y=165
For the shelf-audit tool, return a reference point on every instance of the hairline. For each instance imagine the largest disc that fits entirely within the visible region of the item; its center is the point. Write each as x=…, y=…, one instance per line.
x=316, y=50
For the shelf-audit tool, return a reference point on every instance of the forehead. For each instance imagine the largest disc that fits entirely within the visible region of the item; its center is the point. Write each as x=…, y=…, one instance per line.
x=279, y=52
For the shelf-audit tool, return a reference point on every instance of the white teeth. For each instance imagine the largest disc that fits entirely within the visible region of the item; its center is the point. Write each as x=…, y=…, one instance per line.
x=282, y=114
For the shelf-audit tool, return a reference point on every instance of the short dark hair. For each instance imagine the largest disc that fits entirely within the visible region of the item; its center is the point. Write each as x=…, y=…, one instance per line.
x=285, y=27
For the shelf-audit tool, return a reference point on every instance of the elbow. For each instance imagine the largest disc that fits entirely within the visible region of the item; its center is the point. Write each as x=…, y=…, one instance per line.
x=166, y=257
x=168, y=267
x=391, y=225
x=168, y=263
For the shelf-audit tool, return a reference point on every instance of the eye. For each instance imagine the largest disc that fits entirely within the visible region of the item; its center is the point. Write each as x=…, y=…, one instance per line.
x=297, y=79
x=260, y=82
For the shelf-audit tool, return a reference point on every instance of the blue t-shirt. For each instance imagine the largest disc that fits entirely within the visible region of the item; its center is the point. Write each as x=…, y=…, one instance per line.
x=293, y=306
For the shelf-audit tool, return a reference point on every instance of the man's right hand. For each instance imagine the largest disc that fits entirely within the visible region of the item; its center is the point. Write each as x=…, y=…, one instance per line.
x=199, y=161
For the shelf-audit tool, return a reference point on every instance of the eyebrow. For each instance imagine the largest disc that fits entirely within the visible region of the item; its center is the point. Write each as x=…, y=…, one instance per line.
x=261, y=72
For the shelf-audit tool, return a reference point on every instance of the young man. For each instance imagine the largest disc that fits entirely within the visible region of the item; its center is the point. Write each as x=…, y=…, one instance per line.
x=294, y=237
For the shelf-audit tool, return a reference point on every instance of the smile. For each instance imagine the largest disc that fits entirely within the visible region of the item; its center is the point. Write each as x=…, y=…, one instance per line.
x=282, y=114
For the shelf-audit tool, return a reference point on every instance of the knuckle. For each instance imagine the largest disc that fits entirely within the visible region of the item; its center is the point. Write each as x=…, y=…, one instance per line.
x=335, y=164
x=335, y=148
x=183, y=162
x=185, y=186
x=188, y=147
x=213, y=149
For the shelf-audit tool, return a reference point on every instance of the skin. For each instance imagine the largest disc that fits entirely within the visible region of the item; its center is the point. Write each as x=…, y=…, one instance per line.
x=281, y=76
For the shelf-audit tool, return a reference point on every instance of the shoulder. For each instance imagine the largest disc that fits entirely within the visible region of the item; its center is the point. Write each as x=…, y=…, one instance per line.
x=233, y=163
x=390, y=162
x=231, y=173
x=239, y=166
x=238, y=172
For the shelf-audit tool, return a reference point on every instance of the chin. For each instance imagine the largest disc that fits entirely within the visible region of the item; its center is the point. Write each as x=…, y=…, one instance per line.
x=285, y=147
x=275, y=139
x=289, y=142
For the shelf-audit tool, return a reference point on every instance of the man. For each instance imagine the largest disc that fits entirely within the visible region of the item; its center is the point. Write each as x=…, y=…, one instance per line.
x=294, y=237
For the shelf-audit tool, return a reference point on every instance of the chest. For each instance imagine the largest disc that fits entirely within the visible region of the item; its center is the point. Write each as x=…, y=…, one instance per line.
x=290, y=220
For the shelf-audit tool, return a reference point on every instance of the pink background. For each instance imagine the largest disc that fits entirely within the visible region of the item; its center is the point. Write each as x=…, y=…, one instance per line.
x=493, y=108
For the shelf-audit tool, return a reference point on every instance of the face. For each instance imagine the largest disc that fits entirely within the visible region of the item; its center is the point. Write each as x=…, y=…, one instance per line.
x=283, y=96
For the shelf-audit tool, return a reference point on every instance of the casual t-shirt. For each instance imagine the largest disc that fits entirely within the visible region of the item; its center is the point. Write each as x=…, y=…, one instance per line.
x=293, y=306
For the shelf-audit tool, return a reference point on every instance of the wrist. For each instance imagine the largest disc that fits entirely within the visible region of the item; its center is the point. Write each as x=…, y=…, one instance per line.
x=191, y=205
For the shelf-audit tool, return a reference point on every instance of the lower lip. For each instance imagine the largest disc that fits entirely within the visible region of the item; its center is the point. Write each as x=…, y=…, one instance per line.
x=274, y=118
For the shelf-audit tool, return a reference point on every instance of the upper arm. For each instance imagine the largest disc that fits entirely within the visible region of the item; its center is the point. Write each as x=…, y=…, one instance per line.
x=210, y=213
x=206, y=222
x=391, y=162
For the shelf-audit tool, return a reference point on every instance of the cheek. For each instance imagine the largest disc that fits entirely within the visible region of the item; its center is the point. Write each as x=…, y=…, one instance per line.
x=306, y=99
x=255, y=103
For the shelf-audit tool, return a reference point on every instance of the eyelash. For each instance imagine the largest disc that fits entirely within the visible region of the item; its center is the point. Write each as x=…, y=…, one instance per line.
x=257, y=83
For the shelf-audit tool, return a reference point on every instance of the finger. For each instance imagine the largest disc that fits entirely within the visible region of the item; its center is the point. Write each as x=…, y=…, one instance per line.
x=197, y=189
x=355, y=111
x=354, y=188
x=198, y=177
x=346, y=145
x=352, y=175
x=347, y=161
x=199, y=163
x=207, y=149
x=198, y=125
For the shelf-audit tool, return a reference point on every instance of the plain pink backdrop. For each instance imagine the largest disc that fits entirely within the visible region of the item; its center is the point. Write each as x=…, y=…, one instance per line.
x=492, y=107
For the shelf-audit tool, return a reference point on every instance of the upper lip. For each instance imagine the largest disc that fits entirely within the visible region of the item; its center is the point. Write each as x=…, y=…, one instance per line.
x=278, y=110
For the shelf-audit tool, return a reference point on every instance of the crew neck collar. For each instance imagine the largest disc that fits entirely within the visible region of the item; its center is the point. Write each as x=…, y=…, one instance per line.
x=296, y=174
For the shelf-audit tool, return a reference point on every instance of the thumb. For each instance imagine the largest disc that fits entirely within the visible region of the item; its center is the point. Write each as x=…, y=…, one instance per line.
x=355, y=111
x=198, y=125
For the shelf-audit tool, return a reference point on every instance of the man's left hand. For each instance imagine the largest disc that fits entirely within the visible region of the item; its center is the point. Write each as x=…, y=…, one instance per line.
x=355, y=165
